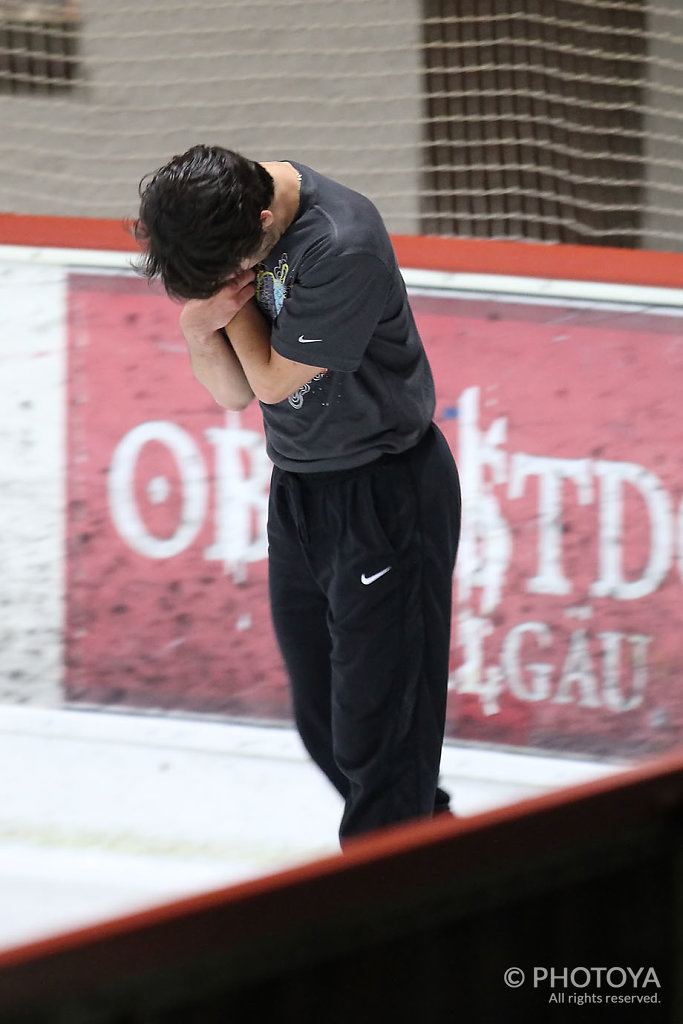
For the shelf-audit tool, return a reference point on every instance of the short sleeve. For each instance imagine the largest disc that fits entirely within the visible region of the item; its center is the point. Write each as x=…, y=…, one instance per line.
x=332, y=311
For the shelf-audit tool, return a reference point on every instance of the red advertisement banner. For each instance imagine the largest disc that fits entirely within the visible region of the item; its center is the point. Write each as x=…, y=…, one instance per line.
x=566, y=426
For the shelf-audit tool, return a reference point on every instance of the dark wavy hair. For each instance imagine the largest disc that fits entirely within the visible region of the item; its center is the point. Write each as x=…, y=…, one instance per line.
x=199, y=217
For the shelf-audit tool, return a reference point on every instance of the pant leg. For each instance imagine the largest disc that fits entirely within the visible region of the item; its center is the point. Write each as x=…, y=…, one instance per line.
x=437, y=486
x=299, y=610
x=390, y=601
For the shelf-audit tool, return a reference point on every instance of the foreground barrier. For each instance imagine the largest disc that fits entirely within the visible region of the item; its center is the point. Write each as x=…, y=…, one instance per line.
x=523, y=914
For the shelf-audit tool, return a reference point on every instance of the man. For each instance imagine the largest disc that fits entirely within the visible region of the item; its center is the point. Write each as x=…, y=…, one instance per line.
x=293, y=295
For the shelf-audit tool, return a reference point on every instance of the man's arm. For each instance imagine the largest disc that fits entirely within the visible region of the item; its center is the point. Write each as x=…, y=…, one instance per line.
x=271, y=377
x=243, y=365
x=213, y=360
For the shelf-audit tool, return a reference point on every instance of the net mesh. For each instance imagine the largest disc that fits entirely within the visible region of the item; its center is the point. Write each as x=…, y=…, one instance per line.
x=554, y=120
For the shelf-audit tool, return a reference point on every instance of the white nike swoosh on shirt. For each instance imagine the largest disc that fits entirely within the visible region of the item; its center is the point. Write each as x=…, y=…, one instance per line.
x=371, y=579
x=308, y=341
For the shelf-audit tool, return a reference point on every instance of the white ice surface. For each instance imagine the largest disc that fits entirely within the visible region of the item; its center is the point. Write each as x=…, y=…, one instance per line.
x=102, y=814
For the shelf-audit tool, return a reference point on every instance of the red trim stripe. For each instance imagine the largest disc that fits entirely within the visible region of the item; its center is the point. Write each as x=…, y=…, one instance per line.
x=65, y=232
x=464, y=255
x=531, y=259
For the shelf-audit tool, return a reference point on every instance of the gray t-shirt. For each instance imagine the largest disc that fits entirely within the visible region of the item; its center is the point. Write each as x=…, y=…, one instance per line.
x=334, y=293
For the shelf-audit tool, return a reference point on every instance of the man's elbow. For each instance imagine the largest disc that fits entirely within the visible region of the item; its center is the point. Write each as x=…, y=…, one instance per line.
x=235, y=398
x=272, y=393
x=233, y=403
x=271, y=397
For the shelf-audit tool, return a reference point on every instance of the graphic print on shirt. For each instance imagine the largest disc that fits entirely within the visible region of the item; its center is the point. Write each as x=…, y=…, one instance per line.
x=271, y=292
x=297, y=399
x=271, y=287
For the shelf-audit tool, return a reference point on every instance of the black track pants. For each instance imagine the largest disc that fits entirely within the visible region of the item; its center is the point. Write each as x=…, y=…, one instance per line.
x=361, y=571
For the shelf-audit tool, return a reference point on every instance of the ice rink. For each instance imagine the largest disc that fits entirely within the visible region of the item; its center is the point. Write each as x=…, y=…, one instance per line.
x=105, y=813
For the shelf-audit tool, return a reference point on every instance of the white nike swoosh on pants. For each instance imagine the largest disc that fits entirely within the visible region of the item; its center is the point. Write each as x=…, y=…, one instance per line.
x=371, y=579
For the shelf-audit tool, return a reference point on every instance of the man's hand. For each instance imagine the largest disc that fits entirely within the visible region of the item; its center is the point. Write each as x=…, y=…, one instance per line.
x=214, y=362
x=201, y=317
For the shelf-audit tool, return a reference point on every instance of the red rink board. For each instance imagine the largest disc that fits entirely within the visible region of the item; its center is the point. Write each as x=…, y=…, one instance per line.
x=567, y=429
x=165, y=607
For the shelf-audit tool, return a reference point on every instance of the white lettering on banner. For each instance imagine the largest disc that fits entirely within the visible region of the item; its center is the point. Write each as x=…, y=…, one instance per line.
x=485, y=549
x=611, y=654
x=540, y=672
x=473, y=676
x=485, y=544
x=242, y=474
x=243, y=470
x=242, y=477
x=566, y=677
x=578, y=669
x=550, y=578
x=573, y=675
x=611, y=582
x=121, y=485
x=590, y=669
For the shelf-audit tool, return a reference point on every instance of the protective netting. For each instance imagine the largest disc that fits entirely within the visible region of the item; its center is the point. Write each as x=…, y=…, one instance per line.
x=557, y=120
